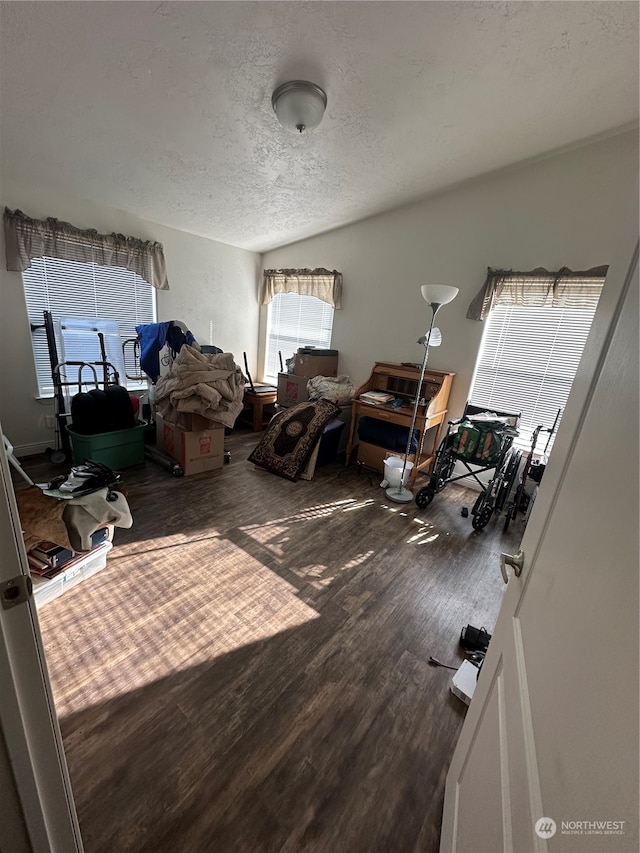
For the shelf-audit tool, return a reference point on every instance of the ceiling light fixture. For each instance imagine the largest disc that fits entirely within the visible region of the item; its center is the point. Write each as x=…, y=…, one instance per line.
x=299, y=105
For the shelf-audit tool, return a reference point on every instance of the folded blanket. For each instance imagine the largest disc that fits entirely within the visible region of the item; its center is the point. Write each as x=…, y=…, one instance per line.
x=71, y=522
x=206, y=384
x=41, y=518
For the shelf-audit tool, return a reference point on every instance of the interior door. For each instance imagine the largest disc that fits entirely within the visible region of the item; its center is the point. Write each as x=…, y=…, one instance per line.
x=548, y=754
x=33, y=758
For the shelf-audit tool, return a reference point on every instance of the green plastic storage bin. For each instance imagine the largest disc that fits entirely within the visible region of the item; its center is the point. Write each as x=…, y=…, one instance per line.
x=121, y=448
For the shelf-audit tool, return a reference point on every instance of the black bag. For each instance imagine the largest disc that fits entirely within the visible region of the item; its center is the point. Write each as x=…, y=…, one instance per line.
x=474, y=639
x=119, y=408
x=86, y=478
x=97, y=411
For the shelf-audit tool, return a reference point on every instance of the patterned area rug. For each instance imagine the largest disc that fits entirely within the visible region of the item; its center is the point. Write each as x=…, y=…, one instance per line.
x=290, y=438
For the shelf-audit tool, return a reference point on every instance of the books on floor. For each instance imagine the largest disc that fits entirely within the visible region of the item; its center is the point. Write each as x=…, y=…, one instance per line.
x=47, y=559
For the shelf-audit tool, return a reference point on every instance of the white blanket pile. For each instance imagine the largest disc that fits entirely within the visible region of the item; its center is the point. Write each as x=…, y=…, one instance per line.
x=204, y=384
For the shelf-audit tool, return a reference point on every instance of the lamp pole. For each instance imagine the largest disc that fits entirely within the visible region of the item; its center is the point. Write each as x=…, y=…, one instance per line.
x=436, y=295
x=399, y=493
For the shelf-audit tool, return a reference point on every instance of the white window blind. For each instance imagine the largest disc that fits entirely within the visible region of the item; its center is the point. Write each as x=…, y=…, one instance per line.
x=85, y=290
x=295, y=321
x=528, y=361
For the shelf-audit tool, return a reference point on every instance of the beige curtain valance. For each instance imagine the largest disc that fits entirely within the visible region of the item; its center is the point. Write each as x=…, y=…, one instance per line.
x=323, y=284
x=27, y=238
x=538, y=288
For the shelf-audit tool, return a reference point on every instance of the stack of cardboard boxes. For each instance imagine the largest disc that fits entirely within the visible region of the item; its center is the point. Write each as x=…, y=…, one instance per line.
x=309, y=362
x=198, y=444
x=292, y=389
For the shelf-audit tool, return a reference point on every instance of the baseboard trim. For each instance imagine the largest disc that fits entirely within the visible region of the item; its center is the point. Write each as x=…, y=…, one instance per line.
x=32, y=449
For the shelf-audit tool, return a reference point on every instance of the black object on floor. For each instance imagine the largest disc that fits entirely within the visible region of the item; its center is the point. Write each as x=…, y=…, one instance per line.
x=474, y=639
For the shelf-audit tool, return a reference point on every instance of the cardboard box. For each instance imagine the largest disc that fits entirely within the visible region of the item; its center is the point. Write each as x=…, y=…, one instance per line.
x=196, y=423
x=196, y=450
x=309, y=365
x=190, y=422
x=292, y=389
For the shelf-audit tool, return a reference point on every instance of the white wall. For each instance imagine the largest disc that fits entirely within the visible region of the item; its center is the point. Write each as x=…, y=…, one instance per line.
x=566, y=210
x=213, y=286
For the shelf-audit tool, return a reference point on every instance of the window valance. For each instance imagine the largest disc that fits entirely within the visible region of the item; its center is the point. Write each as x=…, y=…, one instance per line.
x=538, y=288
x=27, y=238
x=321, y=283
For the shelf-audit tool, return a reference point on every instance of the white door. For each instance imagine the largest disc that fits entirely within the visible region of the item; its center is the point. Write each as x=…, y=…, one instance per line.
x=32, y=765
x=551, y=736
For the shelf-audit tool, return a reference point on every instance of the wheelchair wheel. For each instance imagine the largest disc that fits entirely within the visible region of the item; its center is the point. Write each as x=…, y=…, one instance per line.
x=482, y=518
x=424, y=497
x=509, y=515
x=508, y=479
x=446, y=468
x=442, y=469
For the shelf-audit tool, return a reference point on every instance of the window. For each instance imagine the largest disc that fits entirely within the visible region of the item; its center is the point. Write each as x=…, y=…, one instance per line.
x=295, y=321
x=527, y=362
x=85, y=290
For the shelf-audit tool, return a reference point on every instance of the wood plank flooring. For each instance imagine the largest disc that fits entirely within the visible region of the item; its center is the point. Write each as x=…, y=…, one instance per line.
x=250, y=673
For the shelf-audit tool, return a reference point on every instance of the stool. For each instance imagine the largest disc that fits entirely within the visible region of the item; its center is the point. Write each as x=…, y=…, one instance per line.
x=256, y=402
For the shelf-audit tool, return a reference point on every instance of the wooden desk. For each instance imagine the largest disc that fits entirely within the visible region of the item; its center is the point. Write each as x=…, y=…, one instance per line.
x=254, y=406
x=402, y=381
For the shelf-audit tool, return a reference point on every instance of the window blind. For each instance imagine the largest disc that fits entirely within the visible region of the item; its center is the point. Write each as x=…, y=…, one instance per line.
x=295, y=321
x=528, y=361
x=86, y=290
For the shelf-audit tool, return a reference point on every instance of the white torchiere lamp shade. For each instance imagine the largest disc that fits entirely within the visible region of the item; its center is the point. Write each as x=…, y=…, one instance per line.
x=441, y=294
x=299, y=105
x=436, y=295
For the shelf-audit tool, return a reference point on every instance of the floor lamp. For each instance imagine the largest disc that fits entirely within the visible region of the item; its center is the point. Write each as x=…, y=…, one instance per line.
x=436, y=295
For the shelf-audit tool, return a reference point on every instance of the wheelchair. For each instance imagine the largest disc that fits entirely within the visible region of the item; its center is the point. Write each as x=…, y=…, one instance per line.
x=494, y=452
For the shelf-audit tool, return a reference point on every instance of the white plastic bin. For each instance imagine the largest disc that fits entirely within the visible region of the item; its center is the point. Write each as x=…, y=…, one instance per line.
x=45, y=589
x=393, y=471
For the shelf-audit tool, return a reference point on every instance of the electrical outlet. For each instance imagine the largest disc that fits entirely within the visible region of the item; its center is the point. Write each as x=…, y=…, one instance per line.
x=50, y=421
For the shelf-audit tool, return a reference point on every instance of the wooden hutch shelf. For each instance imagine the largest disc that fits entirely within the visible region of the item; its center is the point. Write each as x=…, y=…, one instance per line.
x=401, y=380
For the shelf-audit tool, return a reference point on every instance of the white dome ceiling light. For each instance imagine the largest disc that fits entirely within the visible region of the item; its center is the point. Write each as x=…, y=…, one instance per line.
x=299, y=105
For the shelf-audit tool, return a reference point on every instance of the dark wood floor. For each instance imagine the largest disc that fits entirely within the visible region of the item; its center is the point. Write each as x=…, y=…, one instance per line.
x=251, y=670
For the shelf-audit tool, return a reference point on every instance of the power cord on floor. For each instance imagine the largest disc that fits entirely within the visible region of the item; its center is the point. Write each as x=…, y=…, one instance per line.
x=360, y=468
x=476, y=658
x=436, y=662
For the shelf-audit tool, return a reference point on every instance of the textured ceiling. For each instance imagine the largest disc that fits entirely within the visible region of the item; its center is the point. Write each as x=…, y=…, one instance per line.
x=164, y=109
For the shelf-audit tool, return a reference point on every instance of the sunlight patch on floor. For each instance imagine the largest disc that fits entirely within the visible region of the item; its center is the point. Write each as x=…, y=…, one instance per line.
x=358, y=560
x=312, y=571
x=425, y=535
x=422, y=539
x=359, y=505
x=179, y=608
x=320, y=576
x=161, y=543
x=306, y=514
x=273, y=534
